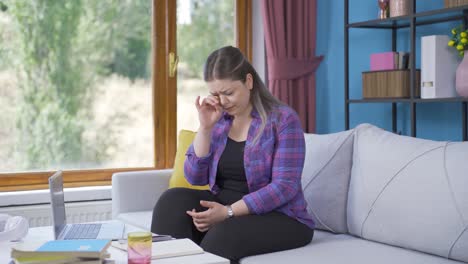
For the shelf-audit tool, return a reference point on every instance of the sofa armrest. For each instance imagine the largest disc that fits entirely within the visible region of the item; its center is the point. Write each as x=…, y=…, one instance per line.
x=138, y=190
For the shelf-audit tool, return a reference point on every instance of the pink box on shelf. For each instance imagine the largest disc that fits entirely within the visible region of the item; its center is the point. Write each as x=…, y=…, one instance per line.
x=382, y=61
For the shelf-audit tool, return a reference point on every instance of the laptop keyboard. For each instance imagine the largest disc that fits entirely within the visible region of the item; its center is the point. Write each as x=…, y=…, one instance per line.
x=83, y=231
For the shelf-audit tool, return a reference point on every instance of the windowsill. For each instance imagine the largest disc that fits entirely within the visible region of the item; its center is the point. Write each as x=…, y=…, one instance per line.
x=79, y=194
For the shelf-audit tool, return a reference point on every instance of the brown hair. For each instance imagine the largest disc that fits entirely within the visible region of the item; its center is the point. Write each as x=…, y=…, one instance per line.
x=228, y=63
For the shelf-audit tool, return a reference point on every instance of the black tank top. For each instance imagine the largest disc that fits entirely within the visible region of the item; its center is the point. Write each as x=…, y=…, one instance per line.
x=230, y=176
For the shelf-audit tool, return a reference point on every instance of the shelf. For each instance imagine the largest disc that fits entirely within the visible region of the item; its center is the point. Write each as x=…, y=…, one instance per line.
x=393, y=22
x=379, y=100
x=441, y=100
x=422, y=18
x=441, y=15
x=407, y=100
x=411, y=22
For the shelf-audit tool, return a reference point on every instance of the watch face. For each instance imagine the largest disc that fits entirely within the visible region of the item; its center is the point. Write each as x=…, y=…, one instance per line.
x=230, y=212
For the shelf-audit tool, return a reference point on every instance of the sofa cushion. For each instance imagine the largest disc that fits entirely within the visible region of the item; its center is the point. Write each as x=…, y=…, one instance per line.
x=410, y=192
x=325, y=178
x=327, y=248
x=177, y=179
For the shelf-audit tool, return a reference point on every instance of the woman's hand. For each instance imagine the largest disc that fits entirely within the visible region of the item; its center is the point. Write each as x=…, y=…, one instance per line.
x=203, y=221
x=209, y=111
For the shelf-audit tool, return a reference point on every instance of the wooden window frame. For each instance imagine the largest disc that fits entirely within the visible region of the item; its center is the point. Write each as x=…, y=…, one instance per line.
x=164, y=102
x=244, y=27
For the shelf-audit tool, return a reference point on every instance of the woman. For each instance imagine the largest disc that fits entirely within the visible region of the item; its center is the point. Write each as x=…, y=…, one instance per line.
x=250, y=149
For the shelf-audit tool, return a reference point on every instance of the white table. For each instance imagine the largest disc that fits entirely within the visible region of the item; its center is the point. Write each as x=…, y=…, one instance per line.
x=39, y=234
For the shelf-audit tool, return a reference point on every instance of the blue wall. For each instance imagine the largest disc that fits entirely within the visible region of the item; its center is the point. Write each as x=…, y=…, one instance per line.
x=438, y=121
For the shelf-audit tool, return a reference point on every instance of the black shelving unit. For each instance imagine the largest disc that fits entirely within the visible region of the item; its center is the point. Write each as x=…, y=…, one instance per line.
x=411, y=21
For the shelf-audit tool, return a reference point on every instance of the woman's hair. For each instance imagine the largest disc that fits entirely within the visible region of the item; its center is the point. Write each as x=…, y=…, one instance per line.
x=228, y=63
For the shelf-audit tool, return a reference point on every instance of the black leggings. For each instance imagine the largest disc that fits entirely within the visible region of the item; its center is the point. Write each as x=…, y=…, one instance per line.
x=233, y=238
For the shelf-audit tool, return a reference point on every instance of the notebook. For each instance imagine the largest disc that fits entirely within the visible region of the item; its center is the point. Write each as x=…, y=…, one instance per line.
x=383, y=61
x=168, y=249
x=62, y=230
x=82, y=248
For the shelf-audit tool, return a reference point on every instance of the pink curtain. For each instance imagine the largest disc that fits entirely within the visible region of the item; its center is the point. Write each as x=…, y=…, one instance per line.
x=290, y=27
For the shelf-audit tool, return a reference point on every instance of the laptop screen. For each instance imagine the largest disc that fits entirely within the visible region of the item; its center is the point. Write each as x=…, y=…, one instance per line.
x=57, y=202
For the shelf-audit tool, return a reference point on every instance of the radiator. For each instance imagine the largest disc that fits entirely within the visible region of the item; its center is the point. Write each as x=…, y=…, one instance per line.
x=77, y=212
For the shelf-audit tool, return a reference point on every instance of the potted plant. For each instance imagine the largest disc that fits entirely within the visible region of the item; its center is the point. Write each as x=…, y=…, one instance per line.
x=459, y=40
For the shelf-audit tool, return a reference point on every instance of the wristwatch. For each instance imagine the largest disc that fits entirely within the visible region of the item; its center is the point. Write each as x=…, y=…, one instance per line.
x=230, y=212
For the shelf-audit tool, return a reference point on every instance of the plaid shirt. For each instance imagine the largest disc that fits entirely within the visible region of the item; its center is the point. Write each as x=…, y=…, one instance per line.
x=273, y=165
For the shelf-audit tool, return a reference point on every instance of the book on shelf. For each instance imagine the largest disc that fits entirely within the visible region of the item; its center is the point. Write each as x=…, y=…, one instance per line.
x=389, y=61
x=168, y=248
x=382, y=61
x=88, y=251
x=403, y=58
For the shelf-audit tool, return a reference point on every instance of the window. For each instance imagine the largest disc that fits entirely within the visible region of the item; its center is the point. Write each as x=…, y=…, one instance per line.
x=77, y=92
x=76, y=85
x=202, y=26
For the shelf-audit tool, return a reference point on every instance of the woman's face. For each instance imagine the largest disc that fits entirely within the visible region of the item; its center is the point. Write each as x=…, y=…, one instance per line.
x=234, y=96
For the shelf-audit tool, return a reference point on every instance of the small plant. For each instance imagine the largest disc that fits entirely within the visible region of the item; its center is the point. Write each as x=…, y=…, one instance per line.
x=459, y=39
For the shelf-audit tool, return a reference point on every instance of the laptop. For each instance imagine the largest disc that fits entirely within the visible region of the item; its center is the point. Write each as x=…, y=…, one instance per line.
x=64, y=231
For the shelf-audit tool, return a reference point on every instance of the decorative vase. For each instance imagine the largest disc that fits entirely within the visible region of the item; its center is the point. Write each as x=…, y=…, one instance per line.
x=461, y=77
x=399, y=8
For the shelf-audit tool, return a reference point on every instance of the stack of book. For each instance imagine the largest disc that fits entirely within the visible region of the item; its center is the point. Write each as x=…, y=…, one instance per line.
x=62, y=252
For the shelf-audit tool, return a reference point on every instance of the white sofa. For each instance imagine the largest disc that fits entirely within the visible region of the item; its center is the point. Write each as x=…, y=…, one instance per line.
x=376, y=197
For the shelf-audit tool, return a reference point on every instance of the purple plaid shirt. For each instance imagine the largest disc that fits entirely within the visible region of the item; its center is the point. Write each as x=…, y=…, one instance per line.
x=273, y=166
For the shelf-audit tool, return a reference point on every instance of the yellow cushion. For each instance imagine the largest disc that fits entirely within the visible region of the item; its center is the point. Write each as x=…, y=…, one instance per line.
x=186, y=138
